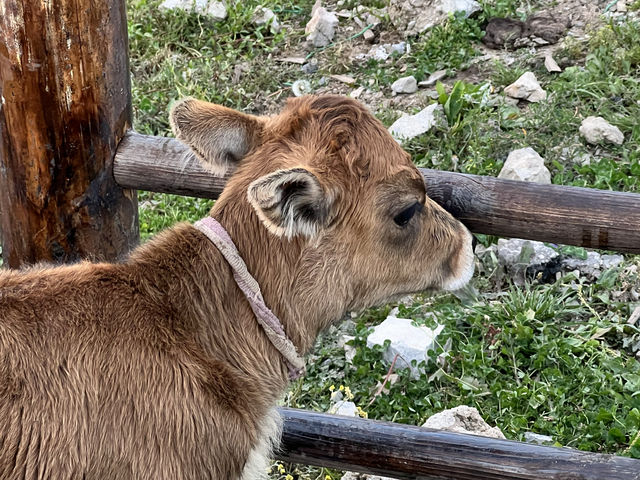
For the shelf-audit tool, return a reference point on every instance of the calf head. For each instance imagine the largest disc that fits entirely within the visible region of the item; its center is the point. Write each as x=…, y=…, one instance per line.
x=338, y=205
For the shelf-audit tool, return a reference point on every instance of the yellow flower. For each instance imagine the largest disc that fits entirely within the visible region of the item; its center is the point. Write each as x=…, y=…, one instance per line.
x=348, y=394
x=288, y=477
x=327, y=477
x=362, y=413
x=341, y=388
x=281, y=469
x=332, y=388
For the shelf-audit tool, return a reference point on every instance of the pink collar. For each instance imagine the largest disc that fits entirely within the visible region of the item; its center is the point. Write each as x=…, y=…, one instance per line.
x=265, y=317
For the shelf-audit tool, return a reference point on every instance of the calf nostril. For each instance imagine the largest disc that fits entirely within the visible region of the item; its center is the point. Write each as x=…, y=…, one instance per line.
x=474, y=242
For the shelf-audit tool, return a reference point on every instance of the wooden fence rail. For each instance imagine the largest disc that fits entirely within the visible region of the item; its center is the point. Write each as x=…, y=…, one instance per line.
x=552, y=213
x=408, y=452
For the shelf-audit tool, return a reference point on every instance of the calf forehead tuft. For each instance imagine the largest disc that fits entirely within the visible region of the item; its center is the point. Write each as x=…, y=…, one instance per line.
x=344, y=126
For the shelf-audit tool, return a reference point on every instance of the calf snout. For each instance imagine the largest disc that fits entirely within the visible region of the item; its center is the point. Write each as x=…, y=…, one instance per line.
x=462, y=261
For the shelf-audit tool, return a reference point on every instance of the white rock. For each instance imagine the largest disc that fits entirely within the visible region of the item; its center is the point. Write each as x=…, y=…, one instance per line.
x=594, y=264
x=400, y=48
x=410, y=126
x=417, y=16
x=591, y=266
x=349, y=350
x=525, y=165
x=551, y=65
x=433, y=78
x=469, y=7
x=526, y=88
x=463, y=419
x=597, y=129
x=265, y=16
x=321, y=28
x=621, y=6
x=510, y=252
x=217, y=10
x=405, y=85
x=344, y=408
x=610, y=261
x=532, y=437
x=362, y=476
x=379, y=53
x=407, y=341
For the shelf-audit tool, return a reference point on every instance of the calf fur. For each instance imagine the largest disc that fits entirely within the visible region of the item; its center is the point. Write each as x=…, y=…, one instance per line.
x=155, y=368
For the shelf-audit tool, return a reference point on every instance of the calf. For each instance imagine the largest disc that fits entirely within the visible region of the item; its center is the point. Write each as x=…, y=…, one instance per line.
x=157, y=367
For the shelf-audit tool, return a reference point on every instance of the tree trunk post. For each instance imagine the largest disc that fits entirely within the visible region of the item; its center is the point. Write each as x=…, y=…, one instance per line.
x=65, y=103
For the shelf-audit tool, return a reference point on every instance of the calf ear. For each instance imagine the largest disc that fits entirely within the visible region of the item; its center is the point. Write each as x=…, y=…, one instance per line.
x=218, y=135
x=290, y=202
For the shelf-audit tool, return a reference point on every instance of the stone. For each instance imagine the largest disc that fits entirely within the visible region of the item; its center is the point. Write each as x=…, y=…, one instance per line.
x=551, y=65
x=433, y=78
x=321, y=28
x=611, y=261
x=369, y=36
x=469, y=7
x=344, y=408
x=399, y=48
x=546, y=28
x=621, y=6
x=405, y=85
x=503, y=32
x=362, y=476
x=593, y=265
x=344, y=79
x=531, y=437
x=417, y=16
x=379, y=53
x=311, y=67
x=463, y=419
x=526, y=88
x=407, y=341
x=349, y=350
x=516, y=252
x=410, y=126
x=265, y=16
x=597, y=129
x=590, y=266
x=216, y=10
x=525, y=165
x=357, y=92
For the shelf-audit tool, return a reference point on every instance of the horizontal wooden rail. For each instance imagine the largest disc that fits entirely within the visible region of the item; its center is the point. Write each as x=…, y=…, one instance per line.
x=552, y=213
x=403, y=451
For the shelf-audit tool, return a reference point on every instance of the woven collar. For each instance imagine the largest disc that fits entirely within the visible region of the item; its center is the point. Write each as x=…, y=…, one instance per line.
x=267, y=320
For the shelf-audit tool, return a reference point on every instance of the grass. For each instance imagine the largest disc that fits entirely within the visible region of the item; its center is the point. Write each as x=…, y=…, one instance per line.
x=557, y=359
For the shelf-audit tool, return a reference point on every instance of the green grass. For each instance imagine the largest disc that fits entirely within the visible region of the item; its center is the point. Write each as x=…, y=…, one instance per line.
x=556, y=359
x=176, y=54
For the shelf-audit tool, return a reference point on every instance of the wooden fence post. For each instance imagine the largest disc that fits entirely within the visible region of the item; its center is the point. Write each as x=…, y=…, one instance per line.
x=65, y=103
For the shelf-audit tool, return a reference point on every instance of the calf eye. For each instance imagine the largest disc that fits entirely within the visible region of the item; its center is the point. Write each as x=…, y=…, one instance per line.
x=407, y=214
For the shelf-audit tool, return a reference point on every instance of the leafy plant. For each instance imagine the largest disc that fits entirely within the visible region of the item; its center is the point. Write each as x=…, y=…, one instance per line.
x=463, y=96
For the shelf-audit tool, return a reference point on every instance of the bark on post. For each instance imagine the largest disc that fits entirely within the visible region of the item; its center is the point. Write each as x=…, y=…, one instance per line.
x=65, y=103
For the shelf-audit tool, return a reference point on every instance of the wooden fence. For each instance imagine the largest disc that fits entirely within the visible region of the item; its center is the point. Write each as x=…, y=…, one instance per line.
x=65, y=107
x=552, y=213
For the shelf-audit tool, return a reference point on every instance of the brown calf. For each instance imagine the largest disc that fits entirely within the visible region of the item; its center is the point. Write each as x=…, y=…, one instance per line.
x=155, y=368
